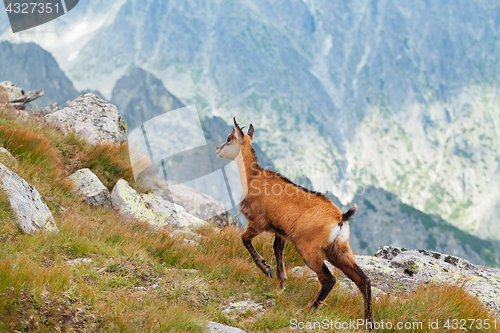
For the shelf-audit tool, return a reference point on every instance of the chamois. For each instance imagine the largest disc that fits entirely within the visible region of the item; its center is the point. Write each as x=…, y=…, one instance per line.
x=306, y=218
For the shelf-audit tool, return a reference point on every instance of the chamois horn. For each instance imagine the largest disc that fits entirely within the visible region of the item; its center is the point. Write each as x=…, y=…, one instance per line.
x=239, y=132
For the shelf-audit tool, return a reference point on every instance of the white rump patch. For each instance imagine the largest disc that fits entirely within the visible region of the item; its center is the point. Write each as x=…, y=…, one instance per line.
x=339, y=234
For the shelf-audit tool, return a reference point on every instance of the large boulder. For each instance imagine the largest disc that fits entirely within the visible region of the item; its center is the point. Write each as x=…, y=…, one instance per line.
x=90, y=188
x=397, y=271
x=31, y=212
x=150, y=208
x=94, y=119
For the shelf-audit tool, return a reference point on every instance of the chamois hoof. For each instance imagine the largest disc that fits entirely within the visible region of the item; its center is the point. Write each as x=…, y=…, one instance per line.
x=269, y=271
x=369, y=320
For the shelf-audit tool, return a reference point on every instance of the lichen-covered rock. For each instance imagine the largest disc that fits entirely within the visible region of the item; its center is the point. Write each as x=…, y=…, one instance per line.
x=94, y=119
x=213, y=327
x=398, y=271
x=194, y=202
x=90, y=188
x=46, y=110
x=32, y=214
x=150, y=208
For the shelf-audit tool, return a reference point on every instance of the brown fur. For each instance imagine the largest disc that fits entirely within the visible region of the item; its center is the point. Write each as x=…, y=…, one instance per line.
x=306, y=218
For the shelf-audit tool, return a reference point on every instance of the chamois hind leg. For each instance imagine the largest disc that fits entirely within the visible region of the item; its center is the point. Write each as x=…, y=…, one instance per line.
x=341, y=256
x=247, y=237
x=314, y=260
x=279, y=247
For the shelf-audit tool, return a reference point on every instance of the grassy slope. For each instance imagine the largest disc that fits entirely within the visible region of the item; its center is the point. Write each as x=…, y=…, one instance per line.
x=40, y=291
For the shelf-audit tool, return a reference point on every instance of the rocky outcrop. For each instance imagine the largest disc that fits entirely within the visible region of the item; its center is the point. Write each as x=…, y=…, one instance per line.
x=17, y=97
x=90, y=188
x=150, y=208
x=32, y=214
x=398, y=271
x=94, y=119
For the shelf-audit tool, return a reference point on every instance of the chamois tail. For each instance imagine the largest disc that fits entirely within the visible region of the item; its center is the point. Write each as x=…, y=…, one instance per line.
x=347, y=215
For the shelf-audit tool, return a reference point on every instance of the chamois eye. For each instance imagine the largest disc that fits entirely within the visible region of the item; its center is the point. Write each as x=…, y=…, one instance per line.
x=228, y=139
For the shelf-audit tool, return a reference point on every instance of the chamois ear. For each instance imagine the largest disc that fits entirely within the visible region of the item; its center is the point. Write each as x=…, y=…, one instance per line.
x=237, y=131
x=251, y=132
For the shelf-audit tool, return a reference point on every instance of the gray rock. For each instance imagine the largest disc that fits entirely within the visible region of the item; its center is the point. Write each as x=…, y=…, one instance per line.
x=213, y=327
x=194, y=202
x=49, y=109
x=79, y=261
x=9, y=92
x=94, y=119
x=90, y=188
x=17, y=97
x=243, y=306
x=398, y=271
x=31, y=212
x=150, y=208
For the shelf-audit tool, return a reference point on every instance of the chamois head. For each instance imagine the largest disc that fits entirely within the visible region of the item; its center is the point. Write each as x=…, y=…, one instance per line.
x=235, y=140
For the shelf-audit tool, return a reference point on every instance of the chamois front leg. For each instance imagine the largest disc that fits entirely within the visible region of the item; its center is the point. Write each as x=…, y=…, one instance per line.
x=247, y=237
x=279, y=247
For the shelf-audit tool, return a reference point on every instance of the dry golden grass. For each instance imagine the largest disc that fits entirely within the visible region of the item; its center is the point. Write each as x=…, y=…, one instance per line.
x=110, y=161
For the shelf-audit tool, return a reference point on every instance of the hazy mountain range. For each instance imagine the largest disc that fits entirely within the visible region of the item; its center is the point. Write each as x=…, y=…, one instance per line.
x=398, y=95
x=31, y=68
